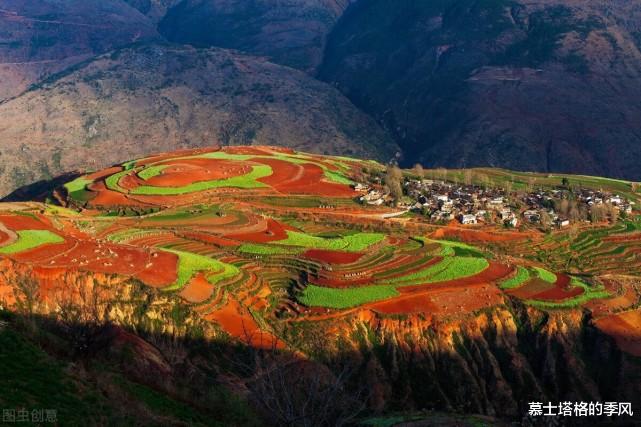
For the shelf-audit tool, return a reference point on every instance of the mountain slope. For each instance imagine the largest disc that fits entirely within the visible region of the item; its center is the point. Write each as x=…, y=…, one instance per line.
x=290, y=32
x=160, y=98
x=544, y=85
x=38, y=38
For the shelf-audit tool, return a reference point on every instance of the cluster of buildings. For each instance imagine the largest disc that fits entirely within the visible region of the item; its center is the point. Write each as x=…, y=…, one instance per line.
x=442, y=201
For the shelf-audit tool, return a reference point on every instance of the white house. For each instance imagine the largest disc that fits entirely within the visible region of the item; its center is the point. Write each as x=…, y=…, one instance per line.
x=468, y=219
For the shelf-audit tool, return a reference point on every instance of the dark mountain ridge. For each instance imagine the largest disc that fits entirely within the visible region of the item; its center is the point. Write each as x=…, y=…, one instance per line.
x=531, y=85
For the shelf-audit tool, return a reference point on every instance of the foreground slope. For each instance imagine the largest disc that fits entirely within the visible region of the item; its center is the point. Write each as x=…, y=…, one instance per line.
x=151, y=98
x=267, y=247
x=544, y=85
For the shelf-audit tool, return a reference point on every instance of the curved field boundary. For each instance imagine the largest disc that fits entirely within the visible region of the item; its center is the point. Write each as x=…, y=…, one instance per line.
x=189, y=264
x=30, y=239
x=243, y=181
x=317, y=296
x=450, y=268
x=522, y=275
x=352, y=243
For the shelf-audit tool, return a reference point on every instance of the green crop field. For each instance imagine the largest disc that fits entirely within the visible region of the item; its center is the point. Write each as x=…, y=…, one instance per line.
x=522, y=276
x=113, y=181
x=545, y=275
x=77, y=189
x=316, y=296
x=338, y=178
x=258, y=249
x=589, y=293
x=151, y=172
x=30, y=239
x=189, y=264
x=245, y=181
x=451, y=268
x=351, y=243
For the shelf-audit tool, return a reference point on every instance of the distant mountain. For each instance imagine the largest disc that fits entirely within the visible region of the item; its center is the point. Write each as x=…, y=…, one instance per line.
x=289, y=32
x=38, y=38
x=153, y=98
x=548, y=85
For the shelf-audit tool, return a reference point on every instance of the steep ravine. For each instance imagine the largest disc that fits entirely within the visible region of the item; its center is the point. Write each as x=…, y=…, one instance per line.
x=493, y=362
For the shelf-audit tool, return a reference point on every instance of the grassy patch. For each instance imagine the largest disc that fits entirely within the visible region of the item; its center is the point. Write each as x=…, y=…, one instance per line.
x=77, y=189
x=545, y=275
x=522, y=276
x=151, y=172
x=245, y=181
x=189, y=264
x=351, y=243
x=451, y=268
x=338, y=178
x=30, y=239
x=316, y=296
x=257, y=249
x=112, y=181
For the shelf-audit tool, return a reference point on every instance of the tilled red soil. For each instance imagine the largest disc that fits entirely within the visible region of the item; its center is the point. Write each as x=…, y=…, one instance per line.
x=333, y=257
x=188, y=171
x=4, y=237
x=197, y=290
x=274, y=232
x=492, y=274
x=239, y=323
x=538, y=289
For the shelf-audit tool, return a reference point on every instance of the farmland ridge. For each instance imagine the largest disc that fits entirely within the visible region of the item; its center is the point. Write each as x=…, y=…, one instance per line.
x=246, y=248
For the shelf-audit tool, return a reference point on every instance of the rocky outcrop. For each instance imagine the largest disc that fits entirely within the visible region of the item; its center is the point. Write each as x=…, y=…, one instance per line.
x=493, y=362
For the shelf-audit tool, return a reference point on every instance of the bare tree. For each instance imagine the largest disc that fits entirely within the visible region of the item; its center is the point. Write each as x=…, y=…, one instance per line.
x=598, y=213
x=292, y=391
x=393, y=179
x=26, y=291
x=546, y=220
x=419, y=171
x=468, y=176
x=81, y=311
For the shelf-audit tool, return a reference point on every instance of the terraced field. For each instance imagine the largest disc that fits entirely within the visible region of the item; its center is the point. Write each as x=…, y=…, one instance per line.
x=258, y=237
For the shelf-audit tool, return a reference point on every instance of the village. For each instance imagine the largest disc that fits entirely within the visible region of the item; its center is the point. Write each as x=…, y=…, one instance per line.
x=441, y=201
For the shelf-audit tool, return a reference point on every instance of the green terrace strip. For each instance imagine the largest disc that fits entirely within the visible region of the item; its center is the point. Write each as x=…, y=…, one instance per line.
x=257, y=249
x=317, y=296
x=189, y=264
x=522, y=276
x=151, y=172
x=590, y=293
x=132, y=234
x=338, y=178
x=450, y=268
x=112, y=181
x=245, y=181
x=30, y=239
x=452, y=248
x=545, y=275
x=77, y=188
x=351, y=243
